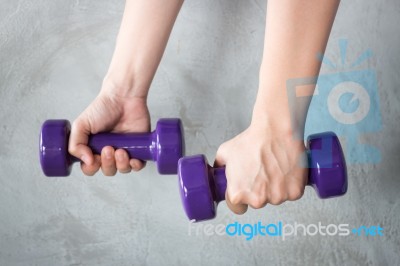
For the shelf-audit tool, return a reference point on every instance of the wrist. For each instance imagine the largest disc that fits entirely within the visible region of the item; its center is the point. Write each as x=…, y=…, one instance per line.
x=275, y=117
x=266, y=122
x=124, y=87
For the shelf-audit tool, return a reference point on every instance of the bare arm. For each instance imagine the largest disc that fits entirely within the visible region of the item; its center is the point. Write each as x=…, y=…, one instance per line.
x=121, y=105
x=263, y=162
x=143, y=35
x=296, y=32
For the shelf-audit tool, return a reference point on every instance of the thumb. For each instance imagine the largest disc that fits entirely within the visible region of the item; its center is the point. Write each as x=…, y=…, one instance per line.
x=78, y=141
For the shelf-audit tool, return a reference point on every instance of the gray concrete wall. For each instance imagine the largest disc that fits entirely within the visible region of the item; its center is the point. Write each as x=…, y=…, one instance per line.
x=53, y=56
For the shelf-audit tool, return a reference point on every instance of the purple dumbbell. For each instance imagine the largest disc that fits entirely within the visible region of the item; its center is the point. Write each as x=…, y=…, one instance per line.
x=202, y=187
x=165, y=145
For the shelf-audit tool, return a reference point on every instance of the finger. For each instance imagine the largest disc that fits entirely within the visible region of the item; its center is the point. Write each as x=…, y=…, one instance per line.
x=258, y=201
x=136, y=164
x=122, y=160
x=235, y=207
x=295, y=191
x=78, y=140
x=90, y=170
x=278, y=193
x=258, y=197
x=108, y=161
x=220, y=158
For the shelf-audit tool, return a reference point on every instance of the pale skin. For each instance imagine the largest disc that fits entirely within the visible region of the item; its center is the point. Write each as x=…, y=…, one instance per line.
x=121, y=105
x=263, y=163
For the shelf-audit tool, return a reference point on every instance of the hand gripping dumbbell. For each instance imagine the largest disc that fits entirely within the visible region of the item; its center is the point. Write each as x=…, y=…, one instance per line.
x=165, y=145
x=202, y=187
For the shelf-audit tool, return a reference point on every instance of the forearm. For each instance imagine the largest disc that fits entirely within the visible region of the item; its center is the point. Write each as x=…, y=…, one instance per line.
x=143, y=35
x=296, y=32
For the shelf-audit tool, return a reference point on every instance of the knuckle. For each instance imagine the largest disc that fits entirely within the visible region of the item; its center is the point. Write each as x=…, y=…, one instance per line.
x=278, y=196
x=295, y=192
x=258, y=202
x=236, y=198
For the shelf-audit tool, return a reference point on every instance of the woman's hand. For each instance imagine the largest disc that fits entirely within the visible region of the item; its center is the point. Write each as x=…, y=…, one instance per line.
x=264, y=164
x=121, y=105
x=108, y=113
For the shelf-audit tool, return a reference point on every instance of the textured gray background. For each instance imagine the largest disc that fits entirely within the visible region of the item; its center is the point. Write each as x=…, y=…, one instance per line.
x=53, y=56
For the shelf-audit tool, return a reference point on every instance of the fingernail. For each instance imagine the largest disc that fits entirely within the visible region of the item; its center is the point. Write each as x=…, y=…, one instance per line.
x=134, y=166
x=107, y=154
x=120, y=156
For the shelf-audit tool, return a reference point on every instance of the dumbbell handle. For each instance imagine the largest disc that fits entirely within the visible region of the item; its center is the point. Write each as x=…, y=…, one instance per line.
x=140, y=146
x=218, y=183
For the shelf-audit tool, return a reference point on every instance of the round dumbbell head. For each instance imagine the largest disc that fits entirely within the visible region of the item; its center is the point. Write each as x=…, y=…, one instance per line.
x=53, y=148
x=170, y=145
x=194, y=186
x=328, y=172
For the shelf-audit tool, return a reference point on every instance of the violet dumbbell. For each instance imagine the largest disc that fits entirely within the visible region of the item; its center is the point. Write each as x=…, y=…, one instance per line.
x=202, y=187
x=165, y=145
